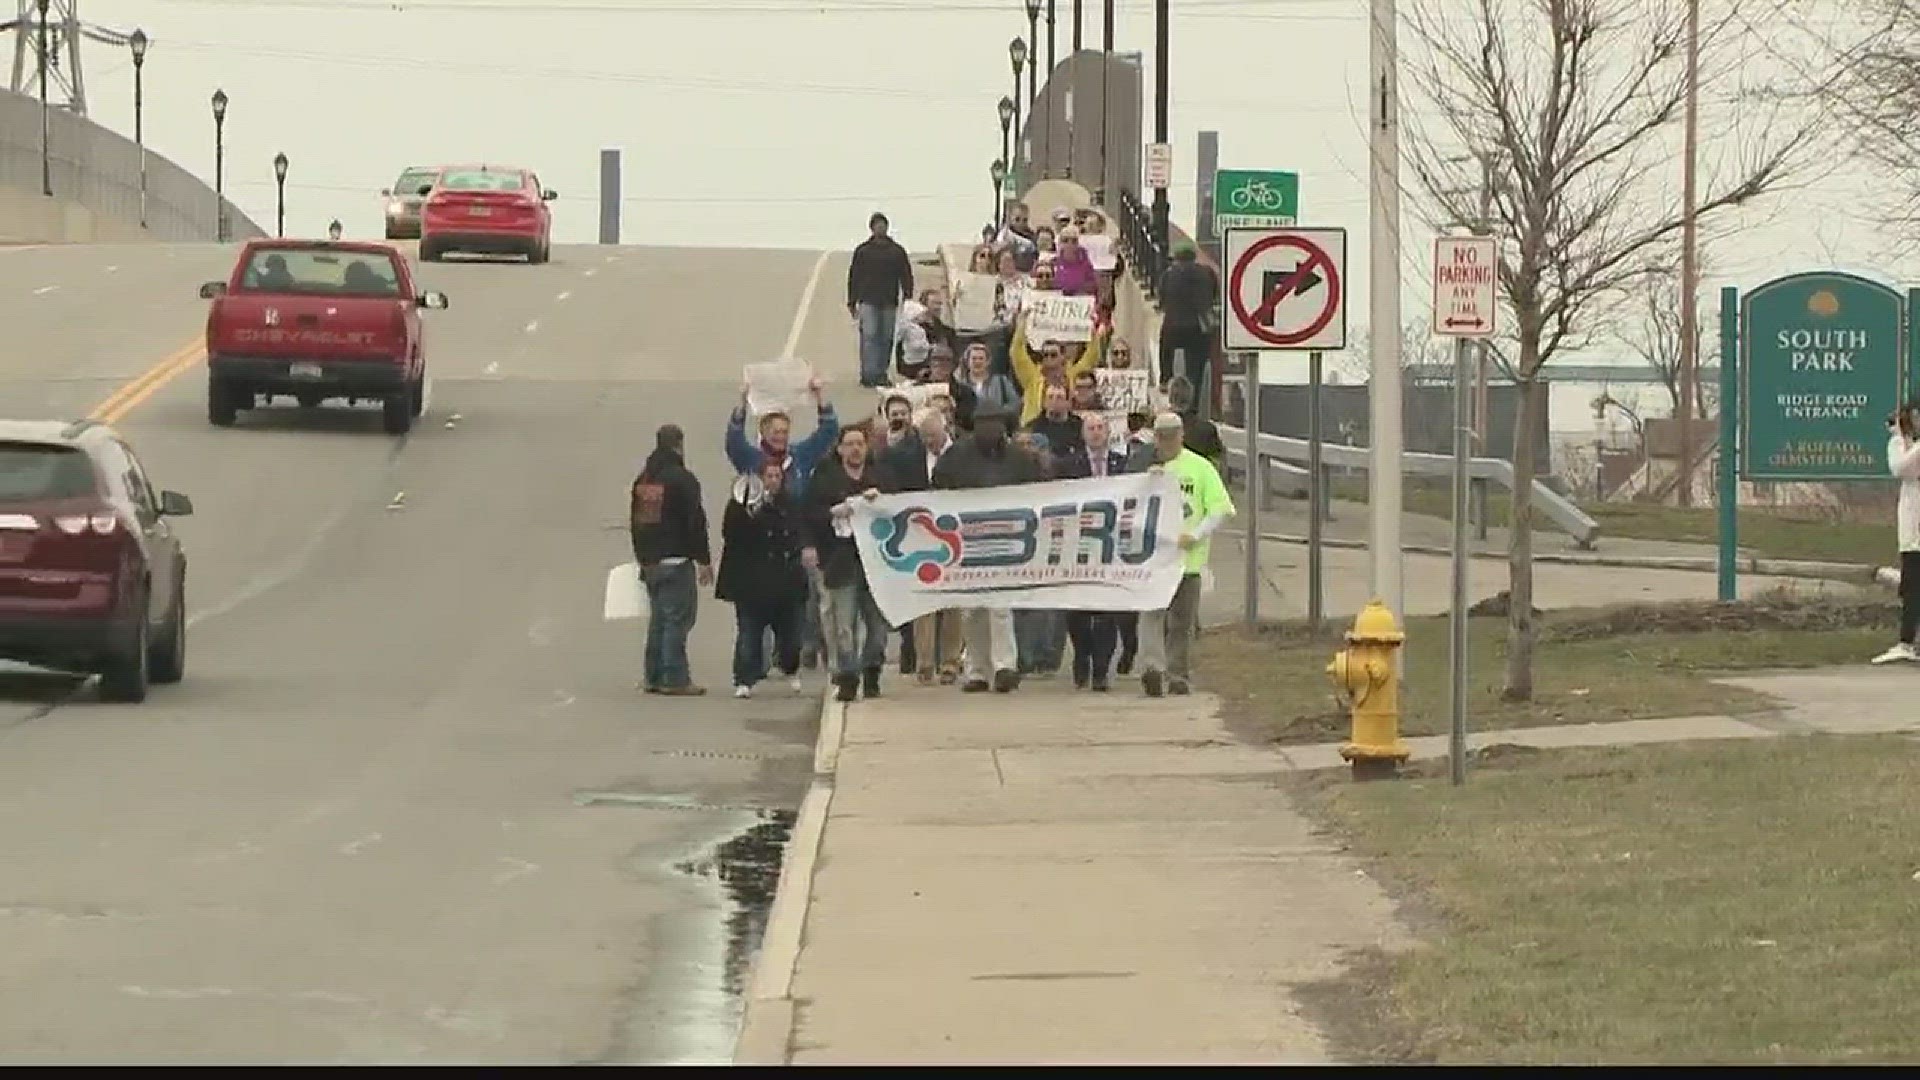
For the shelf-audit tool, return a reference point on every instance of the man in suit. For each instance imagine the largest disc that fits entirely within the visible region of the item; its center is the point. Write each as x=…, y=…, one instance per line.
x=910, y=464
x=1093, y=633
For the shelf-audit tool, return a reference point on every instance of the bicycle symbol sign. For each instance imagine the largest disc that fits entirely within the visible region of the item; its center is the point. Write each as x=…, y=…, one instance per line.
x=1247, y=198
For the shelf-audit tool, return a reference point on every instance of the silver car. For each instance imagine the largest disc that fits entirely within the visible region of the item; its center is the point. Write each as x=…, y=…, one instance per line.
x=404, y=198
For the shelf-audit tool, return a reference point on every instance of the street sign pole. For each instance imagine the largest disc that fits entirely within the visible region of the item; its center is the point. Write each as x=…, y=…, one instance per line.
x=1316, y=497
x=1457, y=614
x=1254, y=468
x=1728, y=481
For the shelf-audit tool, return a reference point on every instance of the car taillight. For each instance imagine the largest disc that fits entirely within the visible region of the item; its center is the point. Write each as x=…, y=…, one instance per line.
x=75, y=524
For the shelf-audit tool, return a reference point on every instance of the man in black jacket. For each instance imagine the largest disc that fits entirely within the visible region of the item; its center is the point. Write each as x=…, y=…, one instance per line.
x=856, y=624
x=1188, y=295
x=878, y=278
x=668, y=526
x=988, y=460
x=761, y=575
x=1095, y=633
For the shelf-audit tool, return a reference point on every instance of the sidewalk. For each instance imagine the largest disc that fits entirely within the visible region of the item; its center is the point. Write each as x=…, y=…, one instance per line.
x=1062, y=878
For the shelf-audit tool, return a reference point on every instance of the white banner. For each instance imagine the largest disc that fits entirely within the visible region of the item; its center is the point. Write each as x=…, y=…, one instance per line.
x=973, y=297
x=1110, y=544
x=1052, y=316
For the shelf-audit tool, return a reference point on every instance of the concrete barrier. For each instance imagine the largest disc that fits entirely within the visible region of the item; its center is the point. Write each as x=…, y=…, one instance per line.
x=96, y=185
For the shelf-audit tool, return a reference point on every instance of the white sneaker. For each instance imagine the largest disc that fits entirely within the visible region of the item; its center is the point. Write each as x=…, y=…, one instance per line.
x=1901, y=651
x=743, y=691
x=796, y=685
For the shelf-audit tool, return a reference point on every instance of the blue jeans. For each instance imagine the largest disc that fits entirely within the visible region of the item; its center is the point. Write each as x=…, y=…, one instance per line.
x=752, y=620
x=1041, y=637
x=674, y=601
x=876, y=340
x=859, y=629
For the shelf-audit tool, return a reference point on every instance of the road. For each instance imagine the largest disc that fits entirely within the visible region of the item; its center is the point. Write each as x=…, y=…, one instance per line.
x=364, y=827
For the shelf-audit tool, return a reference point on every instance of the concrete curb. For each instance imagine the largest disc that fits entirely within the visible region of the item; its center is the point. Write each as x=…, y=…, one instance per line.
x=1746, y=564
x=766, y=1028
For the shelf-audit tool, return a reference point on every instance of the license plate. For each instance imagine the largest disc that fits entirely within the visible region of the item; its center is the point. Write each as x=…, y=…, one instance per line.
x=480, y=211
x=304, y=371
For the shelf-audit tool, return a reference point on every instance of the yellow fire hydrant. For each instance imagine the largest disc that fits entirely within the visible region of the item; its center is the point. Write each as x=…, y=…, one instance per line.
x=1365, y=674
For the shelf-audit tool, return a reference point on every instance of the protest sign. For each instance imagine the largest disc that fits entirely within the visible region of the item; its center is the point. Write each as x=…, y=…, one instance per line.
x=778, y=385
x=1052, y=316
x=973, y=300
x=1106, y=544
x=919, y=394
x=1100, y=250
x=1125, y=390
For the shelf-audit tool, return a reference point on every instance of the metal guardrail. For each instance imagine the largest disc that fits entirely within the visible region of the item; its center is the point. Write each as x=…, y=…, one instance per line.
x=1292, y=454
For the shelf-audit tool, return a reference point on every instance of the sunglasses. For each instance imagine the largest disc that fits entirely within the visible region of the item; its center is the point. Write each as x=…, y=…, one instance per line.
x=1050, y=354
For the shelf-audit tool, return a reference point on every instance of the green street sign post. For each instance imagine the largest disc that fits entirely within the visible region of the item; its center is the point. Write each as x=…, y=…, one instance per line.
x=1810, y=366
x=1254, y=199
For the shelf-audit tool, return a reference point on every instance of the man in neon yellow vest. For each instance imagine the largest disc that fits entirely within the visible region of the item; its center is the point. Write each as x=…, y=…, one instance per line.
x=1166, y=637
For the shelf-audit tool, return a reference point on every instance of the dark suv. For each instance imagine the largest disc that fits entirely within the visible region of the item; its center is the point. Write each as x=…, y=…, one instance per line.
x=92, y=577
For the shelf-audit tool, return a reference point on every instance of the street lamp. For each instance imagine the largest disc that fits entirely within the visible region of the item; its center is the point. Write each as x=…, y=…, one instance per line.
x=1007, y=108
x=280, y=194
x=46, y=117
x=137, y=42
x=1033, y=40
x=1160, y=50
x=1017, y=52
x=220, y=165
x=998, y=170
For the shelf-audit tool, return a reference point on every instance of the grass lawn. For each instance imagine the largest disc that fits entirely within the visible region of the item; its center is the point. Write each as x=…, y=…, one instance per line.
x=1631, y=662
x=1766, y=533
x=1726, y=902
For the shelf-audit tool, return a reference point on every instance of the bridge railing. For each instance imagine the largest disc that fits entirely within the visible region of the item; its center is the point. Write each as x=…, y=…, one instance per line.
x=1289, y=458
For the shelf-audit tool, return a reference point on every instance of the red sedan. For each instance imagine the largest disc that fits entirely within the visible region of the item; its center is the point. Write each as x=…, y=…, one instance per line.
x=487, y=210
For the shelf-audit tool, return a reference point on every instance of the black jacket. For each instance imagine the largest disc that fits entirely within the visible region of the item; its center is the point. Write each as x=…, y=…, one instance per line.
x=1063, y=435
x=664, y=515
x=1076, y=466
x=1187, y=293
x=906, y=465
x=830, y=486
x=967, y=466
x=760, y=556
x=880, y=273
x=964, y=402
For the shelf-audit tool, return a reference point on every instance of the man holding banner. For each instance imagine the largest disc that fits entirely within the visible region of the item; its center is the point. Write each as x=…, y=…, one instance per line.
x=1166, y=635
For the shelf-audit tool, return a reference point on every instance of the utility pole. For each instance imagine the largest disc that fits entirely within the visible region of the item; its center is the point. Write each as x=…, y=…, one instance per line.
x=1160, y=21
x=1689, y=260
x=1383, y=242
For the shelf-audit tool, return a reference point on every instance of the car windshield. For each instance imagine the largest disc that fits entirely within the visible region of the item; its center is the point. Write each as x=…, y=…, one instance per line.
x=411, y=182
x=482, y=181
x=29, y=471
x=322, y=272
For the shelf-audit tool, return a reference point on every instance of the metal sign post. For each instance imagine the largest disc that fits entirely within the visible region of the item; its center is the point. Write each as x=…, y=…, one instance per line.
x=1316, y=498
x=1252, y=509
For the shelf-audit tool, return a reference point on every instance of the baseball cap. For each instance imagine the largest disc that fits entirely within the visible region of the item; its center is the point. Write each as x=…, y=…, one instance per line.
x=1169, y=422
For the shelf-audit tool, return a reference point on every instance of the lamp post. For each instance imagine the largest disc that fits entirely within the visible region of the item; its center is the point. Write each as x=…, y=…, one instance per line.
x=137, y=42
x=1076, y=25
x=46, y=117
x=280, y=194
x=1160, y=21
x=1106, y=88
x=1007, y=108
x=1033, y=42
x=220, y=165
x=998, y=170
x=1017, y=52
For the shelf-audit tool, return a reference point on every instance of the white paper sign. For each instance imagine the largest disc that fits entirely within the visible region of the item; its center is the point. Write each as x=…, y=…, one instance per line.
x=1125, y=390
x=626, y=596
x=1106, y=544
x=1054, y=317
x=973, y=299
x=778, y=385
x=1100, y=250
x=917, y=394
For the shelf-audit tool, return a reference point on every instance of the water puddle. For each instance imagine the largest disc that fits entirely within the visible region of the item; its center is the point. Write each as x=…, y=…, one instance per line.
x=748, y=868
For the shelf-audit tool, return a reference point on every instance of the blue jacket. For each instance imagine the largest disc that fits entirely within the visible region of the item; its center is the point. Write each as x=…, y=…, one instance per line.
x=802, y=455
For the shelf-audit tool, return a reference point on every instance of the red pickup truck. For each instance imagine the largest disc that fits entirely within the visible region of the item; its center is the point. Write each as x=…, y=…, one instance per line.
x=317, y=320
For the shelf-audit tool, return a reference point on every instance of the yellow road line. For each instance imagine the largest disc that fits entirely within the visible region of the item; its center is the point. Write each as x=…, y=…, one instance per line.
x=148, y=383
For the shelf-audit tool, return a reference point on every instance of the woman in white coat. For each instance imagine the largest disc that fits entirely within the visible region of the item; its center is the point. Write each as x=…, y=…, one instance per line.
x=1903, y=460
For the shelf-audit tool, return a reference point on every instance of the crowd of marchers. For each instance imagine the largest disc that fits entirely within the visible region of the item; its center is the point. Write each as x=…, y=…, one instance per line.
x=954, y=409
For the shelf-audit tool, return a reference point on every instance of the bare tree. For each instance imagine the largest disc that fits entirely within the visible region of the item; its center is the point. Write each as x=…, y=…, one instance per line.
x=1869, y=80
x=1655, y=338
x=1575, y=101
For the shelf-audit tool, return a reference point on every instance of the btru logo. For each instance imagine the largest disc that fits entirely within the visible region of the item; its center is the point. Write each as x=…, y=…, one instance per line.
x=1097, y=532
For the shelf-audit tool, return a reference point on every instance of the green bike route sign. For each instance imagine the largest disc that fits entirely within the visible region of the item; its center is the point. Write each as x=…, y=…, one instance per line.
x=1254, y=199
x=1820, y=370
